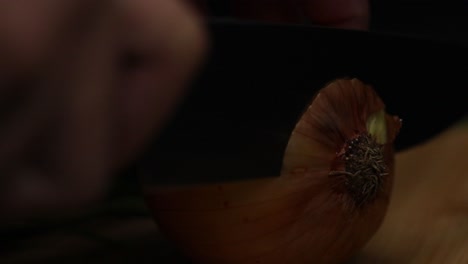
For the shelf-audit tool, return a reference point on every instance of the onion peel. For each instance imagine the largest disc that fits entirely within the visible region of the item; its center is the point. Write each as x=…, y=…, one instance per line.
x=328, y=201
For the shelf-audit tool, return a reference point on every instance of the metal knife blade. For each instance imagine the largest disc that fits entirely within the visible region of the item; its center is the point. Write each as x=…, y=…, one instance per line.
x=259, y=77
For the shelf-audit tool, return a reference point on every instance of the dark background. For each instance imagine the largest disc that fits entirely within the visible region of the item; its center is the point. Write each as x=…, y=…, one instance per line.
x=435, y=19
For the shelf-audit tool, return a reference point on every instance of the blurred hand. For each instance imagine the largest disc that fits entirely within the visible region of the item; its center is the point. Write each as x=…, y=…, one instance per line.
x=83, y=84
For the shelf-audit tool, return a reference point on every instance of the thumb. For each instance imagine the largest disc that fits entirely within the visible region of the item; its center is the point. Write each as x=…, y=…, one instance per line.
x=166, y=42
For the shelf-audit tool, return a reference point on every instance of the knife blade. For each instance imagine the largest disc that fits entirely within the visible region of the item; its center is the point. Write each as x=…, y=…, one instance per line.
x=259, y=77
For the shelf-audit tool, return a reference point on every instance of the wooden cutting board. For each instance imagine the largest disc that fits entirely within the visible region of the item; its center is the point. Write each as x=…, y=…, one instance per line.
x=427, y=221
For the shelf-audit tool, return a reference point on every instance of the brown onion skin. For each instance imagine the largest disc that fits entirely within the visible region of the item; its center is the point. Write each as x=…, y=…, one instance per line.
x=303, y=216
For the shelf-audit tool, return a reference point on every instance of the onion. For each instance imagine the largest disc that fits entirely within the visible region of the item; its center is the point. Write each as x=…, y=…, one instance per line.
x=329, y=200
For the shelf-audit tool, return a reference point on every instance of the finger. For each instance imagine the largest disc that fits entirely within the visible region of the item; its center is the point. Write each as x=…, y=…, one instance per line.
x=65, y=166
x=268, y=10
x=30, y=31
x=166, y=41
x=350, y=14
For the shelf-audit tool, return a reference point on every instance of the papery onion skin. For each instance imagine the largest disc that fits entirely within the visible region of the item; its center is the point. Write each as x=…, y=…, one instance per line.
x=305, y=215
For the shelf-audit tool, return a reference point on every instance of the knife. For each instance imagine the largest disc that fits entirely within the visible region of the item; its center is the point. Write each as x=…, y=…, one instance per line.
x=259, y=77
